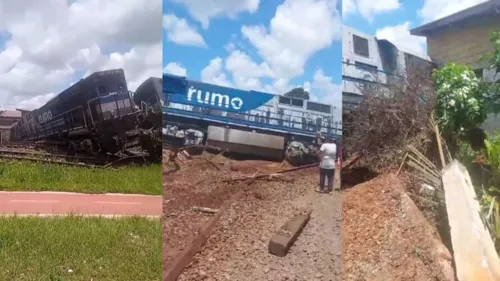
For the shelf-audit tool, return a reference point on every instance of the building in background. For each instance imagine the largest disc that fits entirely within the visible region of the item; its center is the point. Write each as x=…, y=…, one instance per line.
x=7, y=119
x=463, y=38
x=367, y=60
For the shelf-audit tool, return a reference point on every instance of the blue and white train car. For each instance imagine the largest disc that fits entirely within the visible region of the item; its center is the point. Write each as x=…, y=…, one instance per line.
x=368, y=61
x=243, y=121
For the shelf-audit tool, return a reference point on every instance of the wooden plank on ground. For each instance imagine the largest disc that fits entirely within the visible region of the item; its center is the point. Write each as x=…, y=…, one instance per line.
x=337, y=184
x=473, y=249
x=284, y=239
x=185, y=258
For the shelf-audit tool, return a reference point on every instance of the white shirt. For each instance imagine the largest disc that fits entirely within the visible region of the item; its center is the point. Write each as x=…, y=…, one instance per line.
x=328, y=154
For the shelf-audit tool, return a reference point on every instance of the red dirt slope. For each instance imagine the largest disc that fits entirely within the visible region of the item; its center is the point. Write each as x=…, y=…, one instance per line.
x=386, y=237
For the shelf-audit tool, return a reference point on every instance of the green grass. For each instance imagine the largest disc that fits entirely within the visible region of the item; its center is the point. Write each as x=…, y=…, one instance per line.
x=28, y=176
x=92, y=248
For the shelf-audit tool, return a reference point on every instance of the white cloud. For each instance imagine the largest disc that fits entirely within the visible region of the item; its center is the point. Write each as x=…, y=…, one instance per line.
x=140, y=63
x=175, y=69
x=180, y=32
x=245, y=72
x=52, y=41
x=436, y=9
x=203, y=11
x=235, y=42
x=348, y=7
x=400, y=36
x=35, y=102
x=214, y=73
x=323, y=89
x=368, y=8
x=229, y=47
x=299, y=29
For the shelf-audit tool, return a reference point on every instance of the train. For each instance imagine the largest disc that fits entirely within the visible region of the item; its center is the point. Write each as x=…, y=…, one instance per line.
x=245, y=122
x=97, y=115
x=149, y=98
x=370, y=61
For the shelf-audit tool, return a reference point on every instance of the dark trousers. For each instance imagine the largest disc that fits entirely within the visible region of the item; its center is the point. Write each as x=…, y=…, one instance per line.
x=326, y=174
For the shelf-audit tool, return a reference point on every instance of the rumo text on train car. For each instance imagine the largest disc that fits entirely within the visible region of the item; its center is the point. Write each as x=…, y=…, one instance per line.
x=214, y=99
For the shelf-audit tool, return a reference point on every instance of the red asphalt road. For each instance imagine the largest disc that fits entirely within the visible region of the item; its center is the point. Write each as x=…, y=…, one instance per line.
x=60, y=203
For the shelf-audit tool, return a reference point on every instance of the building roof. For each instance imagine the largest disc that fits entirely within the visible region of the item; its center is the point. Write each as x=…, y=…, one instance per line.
x=10, y=114
x=490, y=7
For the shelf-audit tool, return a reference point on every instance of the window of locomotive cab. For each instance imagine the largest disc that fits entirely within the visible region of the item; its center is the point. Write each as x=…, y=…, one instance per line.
x=298, y=102
x=284, y=100
x=101, y=90
x=360, y=46
x=313, y=106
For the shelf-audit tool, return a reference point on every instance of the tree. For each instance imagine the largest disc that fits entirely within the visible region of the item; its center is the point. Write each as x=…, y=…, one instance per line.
x=461, y=100
x=298, y=92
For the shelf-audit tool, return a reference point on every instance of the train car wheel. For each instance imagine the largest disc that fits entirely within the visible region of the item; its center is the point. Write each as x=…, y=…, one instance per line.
x=72, y=148
x=89, y=147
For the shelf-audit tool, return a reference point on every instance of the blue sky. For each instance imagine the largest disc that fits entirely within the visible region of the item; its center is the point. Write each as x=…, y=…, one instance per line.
x=392, y=19
x=406, y=12
x=261, y=45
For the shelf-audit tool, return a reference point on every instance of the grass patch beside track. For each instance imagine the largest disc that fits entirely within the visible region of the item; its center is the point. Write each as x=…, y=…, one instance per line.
x=29, y=176
x=80, y=248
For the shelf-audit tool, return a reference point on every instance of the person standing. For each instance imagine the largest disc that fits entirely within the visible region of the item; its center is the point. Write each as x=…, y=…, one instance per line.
x=328, y=157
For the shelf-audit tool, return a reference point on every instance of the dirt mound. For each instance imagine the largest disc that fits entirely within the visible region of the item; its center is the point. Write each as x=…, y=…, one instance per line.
x=207, y=180
x=386, y=237
x=253, y=166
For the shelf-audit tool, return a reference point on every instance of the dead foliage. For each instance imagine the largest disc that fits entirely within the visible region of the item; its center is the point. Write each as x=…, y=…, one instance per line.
x=389, y=119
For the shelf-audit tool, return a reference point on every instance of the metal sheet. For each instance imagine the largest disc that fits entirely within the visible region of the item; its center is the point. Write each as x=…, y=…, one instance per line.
x=268, y=146
x=245, y=138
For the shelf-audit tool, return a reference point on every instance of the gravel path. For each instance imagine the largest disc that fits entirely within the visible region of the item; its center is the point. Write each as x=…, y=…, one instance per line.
x=237, y=250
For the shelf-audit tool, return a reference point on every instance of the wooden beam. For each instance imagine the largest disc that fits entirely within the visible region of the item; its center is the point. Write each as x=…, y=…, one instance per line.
x=473, y=249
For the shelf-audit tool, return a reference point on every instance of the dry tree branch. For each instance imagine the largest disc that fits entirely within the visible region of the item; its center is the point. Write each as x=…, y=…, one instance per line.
x=389, y=118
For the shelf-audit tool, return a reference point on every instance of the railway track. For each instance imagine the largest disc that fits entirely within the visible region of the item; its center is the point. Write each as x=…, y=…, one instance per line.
x=23, y=152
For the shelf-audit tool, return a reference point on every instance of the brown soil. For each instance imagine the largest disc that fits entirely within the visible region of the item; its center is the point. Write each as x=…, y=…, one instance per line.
x=196, y=183
x=385, y=237
x=237, y=250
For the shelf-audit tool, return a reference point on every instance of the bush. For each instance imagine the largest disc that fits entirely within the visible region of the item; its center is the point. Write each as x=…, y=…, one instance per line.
x=484, y=166
x=493, y=160
x=461, y=101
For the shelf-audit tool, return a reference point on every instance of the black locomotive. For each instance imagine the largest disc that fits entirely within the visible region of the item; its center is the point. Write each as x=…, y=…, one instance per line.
x=149, y=98
x=96, y=114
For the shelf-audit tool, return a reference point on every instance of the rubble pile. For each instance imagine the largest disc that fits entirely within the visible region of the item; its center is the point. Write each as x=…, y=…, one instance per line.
x=386, y=237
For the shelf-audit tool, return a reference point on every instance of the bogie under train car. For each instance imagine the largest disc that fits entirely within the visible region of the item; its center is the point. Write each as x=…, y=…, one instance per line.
x=248, y=122
x=96, y=114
